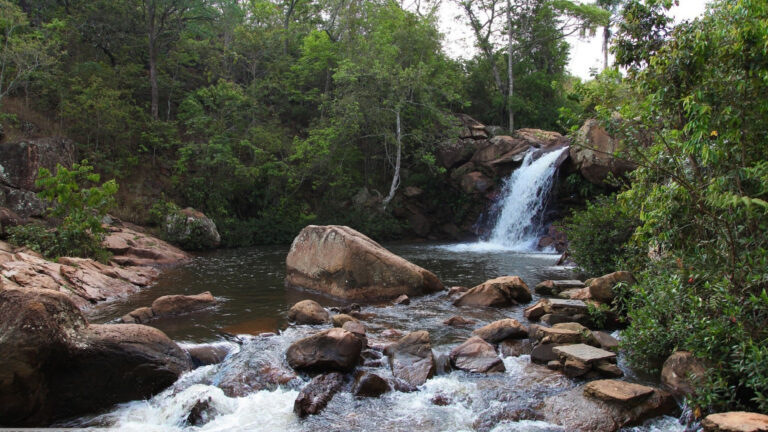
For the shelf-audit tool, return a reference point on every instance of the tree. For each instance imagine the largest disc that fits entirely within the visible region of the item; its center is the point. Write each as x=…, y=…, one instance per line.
x=612, y=6
x=25, y=51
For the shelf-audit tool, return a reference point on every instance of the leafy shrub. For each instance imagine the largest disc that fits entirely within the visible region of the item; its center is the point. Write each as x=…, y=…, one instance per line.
x=79, y=210
x=599, y=235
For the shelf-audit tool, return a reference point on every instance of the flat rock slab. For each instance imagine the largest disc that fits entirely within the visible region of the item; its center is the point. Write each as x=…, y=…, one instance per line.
x=618, y=391
x=735, y=421
x=557, y=304
x=584, y=353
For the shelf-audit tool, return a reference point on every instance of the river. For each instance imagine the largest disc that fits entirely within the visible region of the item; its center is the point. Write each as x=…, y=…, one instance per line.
x=248, y=284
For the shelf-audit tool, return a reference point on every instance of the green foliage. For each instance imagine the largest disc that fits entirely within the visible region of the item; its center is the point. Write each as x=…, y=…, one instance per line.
x=79, y=209
x=599, y=235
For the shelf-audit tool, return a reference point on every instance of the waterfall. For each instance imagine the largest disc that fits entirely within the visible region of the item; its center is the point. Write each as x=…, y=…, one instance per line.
x=521, y=206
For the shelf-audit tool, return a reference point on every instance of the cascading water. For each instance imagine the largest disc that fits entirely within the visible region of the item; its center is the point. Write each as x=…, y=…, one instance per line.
x=520, y=209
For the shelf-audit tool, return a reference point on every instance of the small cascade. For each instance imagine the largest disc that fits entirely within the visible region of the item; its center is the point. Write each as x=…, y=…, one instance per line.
x=521, y=207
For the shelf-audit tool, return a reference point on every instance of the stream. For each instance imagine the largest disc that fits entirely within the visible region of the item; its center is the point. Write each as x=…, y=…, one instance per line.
x=252, y=299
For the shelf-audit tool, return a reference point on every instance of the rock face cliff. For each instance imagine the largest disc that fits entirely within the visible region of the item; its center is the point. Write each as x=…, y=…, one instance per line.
x=344, y=263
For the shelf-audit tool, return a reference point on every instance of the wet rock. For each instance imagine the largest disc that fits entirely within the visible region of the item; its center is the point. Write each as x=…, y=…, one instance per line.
x=403, y=386
x=575, y=411
x=457, y=290
x=402, y=300
x=347, y=309
x=334, y=349
x=594, y=156
x=458, y=321
x=584, y=353
x=515, y=347
x=358, y=329
x=682, y=372
x=309, y=312
x=605, y=340
x=500, y=330
x=618, y=391
x=735, y=421
x=554, y=287
x=370, y=385
x=411, y=358
x=499, y=292
x=363, y=316
x=138, y=316
x=201, y=413
x=560, y=310
x=440, y=399
x=443, y=364
x=601, y=289
x=339, y=320
x=180, y=304
x=535, y=311
x=316, y=395
x=55, y=365
x=554, y=365
x=476, y=355
x=203, y=355
x=543, y=353
x=340, y=261
x=575, y=368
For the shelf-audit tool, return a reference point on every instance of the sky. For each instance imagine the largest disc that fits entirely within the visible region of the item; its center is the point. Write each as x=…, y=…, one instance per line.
x=585, y=53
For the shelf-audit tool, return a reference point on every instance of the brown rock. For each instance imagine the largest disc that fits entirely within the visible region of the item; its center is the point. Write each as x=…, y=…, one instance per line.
x=458, y=321
x=735, y=421
x=554, y=287
x=208, y=354
x=475, y=183
x=457, y=290
x=618, y=391
x=402, y=300
x=575, y=368
x=180, y=304
x=608, y=369
x=132, y=248
x=391, y=334
x=543, y=353
x=605, y=340
x=316, y=395
x=476, y=355
x=139, y=316
x=682, y=372
x=575, y=411
x=8, y=218
x=584, y=353
x=499, y=292
x=340, y=261
x=594, y=157
x=601, y=289
x=557, y=336
x=497, y=331
x=535, y=311
x=329, y=350
x=411, y=358
x=338, y=320
x=370, y=385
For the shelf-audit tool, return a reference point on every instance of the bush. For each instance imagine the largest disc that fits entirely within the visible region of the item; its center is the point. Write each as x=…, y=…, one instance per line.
x=599, y=235
x=79, y=210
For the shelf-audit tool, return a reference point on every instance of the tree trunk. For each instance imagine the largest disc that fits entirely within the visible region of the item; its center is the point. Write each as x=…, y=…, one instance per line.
x=153, y=78
x=396, y=176
x=510, y=71
x=606, y=36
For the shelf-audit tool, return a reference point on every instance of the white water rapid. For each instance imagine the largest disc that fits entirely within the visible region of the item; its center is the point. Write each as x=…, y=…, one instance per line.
x=521, y=206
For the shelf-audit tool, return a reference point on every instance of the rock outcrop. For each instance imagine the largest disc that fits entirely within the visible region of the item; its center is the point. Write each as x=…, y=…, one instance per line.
x=344, y=263
x=476, y=355
x=593, y=154
x=499, y=292
x=56, y=365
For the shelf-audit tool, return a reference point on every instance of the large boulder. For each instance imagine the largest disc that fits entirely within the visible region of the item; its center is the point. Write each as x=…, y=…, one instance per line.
x=681, y=373
x=340, y=261
x=191, y=229
x=309, y=312
x=501, y=154
x=411, y=358
x=329, y=350
x=593, y=154
x=499, y=292
x=131, y=248
x=476, y=355
x=8, y=219
x=55, y=365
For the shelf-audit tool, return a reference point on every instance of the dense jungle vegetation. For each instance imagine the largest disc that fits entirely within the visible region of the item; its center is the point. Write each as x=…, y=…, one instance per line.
x=268, y=115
